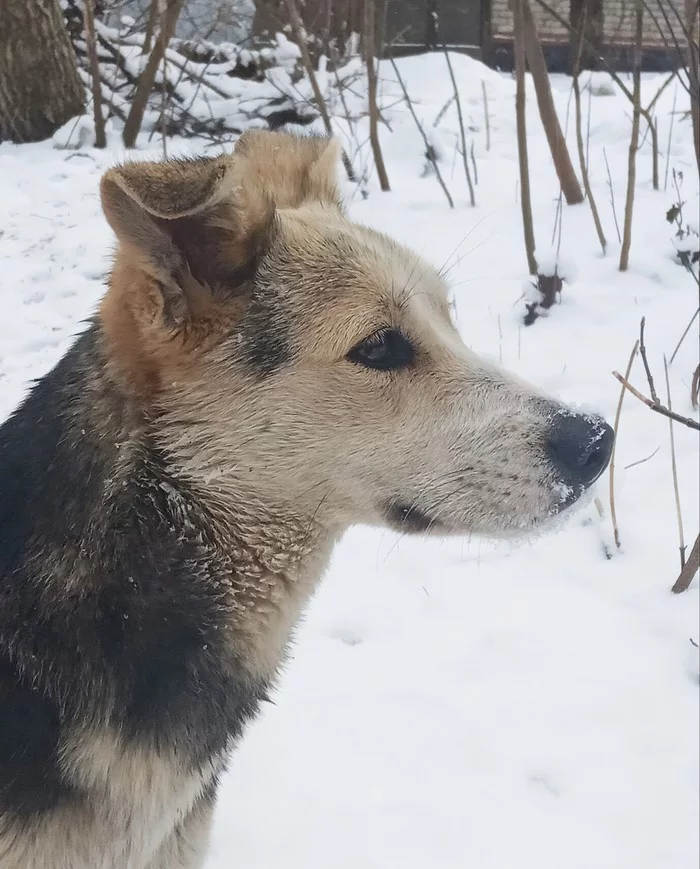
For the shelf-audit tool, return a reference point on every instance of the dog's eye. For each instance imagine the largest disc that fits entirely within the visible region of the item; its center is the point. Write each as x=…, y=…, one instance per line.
x=386, y=350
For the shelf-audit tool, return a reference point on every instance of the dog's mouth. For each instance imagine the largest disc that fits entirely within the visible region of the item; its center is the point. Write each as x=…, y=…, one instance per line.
x=411, y=519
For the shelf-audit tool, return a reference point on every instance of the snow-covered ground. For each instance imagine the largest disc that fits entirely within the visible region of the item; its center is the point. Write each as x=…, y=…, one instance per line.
x=460, y=703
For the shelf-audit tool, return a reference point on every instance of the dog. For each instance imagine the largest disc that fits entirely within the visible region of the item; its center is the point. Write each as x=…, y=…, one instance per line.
x=262, y=373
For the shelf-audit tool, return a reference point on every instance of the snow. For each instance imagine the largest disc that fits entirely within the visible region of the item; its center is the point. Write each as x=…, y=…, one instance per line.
x=461, y=703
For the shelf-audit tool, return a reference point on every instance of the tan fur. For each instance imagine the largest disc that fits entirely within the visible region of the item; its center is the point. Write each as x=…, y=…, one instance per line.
x=138, y=797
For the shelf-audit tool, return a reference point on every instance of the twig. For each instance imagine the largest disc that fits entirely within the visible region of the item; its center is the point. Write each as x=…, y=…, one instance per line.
x=689, y=569
x=642, y=461
x=460, y=119
x=584, y=168
x=428, y=148
x=473, y=158
x=659, y=408
x=674, y=472
x=695, y=389
x=643, y=354
x=612, y=195
x=682, y=338
x=487, y=121
x=613, y=513
x=670, y=137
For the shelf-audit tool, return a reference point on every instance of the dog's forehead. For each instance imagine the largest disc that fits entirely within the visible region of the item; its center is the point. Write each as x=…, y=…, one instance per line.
x=330, y=257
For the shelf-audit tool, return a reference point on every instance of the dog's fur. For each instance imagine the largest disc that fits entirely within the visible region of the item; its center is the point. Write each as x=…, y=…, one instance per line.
x=172, y=490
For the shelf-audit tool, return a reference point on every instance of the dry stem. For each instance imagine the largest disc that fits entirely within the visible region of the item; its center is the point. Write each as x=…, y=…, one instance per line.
x=674, y=472
x=465, y=158
x=486, y=115
x=613, y=513
x=643, y=353
x=428, y=147
x=659, y=408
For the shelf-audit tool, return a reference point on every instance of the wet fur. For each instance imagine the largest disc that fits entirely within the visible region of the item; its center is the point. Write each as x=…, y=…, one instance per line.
x=172, y=490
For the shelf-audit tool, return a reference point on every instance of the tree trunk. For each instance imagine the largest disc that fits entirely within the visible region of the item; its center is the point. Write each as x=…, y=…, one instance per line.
x=39, y=85
x=540, y=77
x=148, y=76
x=634, y=138
x=693, y=59
x=100, y=134
x=525, y=202
x=369, y=26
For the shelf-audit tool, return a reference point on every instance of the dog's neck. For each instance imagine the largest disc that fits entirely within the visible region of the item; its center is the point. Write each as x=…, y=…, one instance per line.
x=272, y=562
x=268, y=556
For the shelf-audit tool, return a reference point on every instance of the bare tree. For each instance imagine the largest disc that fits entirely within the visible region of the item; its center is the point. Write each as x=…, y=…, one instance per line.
x=369, y=28
x=100, y=136
x=148, y=76
x=692, y=37
x=39, y=84
x=540, y=77
x=634, y=138
x=579, y=133
x=299, y=34
x=525, y=200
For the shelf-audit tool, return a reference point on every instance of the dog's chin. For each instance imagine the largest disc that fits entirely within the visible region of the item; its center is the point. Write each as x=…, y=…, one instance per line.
x=563, y=502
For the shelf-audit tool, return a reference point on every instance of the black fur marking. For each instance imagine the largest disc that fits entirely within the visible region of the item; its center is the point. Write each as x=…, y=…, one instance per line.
x=408, y=518
x=30, y=781
x=111, y=599
x=266, y=336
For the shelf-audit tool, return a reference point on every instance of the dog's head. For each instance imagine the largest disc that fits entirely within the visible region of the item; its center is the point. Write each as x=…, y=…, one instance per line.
x=310, y=363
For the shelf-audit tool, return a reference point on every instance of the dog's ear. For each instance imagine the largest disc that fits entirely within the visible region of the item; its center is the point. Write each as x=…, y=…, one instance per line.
x=176, y=222
x=197, y=227
x=285, y=170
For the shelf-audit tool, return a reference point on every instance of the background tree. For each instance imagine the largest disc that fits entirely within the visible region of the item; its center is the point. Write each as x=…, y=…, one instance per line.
x=39, y=85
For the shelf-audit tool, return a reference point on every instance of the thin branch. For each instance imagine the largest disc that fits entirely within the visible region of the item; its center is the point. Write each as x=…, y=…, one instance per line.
x=670, y=138
x=643, y=353
x=612, y=195
x=674, y=472
x=659, y=408
x=682, y=338
x=579, y=141
x=465, y=159
x=613, y=513
x=642, y=461
x=487, y=121
x=428, y=147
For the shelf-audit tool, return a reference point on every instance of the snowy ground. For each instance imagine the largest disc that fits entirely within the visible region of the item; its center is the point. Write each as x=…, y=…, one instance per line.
x=459, y=703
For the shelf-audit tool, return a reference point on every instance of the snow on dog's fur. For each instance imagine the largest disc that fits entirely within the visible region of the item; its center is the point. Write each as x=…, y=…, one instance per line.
x=263, y=374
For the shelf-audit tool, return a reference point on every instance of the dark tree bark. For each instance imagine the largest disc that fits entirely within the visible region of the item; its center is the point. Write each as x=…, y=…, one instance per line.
x=39, y=85
x=586, y=33
x=525, y=201
x=148, y=76
x=540, y=78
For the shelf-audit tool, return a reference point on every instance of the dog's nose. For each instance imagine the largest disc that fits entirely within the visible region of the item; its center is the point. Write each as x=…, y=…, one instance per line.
x=579, y=447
